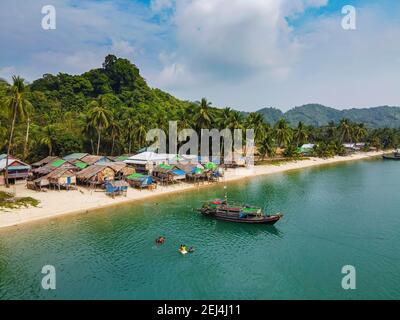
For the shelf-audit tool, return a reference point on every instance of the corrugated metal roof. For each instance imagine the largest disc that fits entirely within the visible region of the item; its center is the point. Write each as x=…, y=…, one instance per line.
x=58, y=163
x=75, y=156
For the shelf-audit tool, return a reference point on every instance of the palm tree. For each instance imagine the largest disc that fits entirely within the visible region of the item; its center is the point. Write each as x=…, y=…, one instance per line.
x=130, y=130
x=89, y=131
x=283, y=133
x=140, y=132
x=346, y=131
x=301, y=134
x=115, y=131
x=223, y=117
x=256, y=122
x=266, y=147
x=17, y=104
x=29, y=111
x=359, y=132
x=331, y=130
x=235, y=121
x=99, y=117
x=204, y=114
x=48, y=138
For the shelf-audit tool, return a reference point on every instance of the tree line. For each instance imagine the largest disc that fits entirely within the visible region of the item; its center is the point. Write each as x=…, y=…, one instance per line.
x=110, y=110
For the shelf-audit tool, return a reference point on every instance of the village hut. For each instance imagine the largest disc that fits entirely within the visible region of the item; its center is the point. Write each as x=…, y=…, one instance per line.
x=96, y=175
x=141, y=181
x=44, y=161
x=45, y=170
x=38, y=184
x=194, y=172
x=307, y=149
x=121, y=169
x=75, y=156
x=146, y=161
x=168, y=173
x=91, y=160
x=17, y=170
x=116, y=188
x=62, y=178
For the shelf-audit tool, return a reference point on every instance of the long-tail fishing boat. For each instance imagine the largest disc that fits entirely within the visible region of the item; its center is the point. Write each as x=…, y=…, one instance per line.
x=393, y=156
x=222, y=210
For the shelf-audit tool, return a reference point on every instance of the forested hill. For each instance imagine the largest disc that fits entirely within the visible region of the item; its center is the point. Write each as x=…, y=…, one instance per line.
x=319, y=115
x=109, y=110
x=67, y=110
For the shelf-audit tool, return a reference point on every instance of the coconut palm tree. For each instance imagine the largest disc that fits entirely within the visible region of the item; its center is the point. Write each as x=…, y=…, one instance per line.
x=223, y=117
x=345, y=130
x=283, y=133
x=266, y=147
x=359, y=132
x=99, y=117
x=89, y=131
x=140, y=132
x=115, y=131
x=16, y=104
x=204, y=114
x=29, y=112
x=48, y=138
x=130, y=132
x=331, y=130
x=256, y=122
x=236, y=121
x=300, y=134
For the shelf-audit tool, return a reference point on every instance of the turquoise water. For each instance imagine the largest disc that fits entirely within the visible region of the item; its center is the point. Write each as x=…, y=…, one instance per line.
x=334, y=216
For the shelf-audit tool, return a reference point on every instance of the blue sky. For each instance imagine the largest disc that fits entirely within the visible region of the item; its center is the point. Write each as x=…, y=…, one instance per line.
x=245, y=54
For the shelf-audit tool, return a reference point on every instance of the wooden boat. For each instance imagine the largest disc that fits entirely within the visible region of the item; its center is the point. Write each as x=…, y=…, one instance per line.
x=393, y=156
x=221, y=210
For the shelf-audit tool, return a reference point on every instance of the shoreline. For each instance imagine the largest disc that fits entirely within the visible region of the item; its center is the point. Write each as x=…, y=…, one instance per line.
x=61, y=203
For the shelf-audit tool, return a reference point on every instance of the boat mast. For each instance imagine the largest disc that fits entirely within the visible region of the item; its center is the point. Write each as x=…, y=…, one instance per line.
x=226, y=194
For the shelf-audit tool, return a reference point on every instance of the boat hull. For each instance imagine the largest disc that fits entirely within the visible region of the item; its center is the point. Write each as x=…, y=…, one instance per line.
x=391, y=157
x=268, y=220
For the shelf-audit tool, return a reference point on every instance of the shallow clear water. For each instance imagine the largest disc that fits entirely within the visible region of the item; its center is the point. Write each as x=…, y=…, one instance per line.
x=334, y=216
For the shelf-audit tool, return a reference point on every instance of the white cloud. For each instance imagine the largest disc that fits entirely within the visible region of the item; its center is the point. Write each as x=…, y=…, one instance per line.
x=123, y=49
x=235, y=37
x=246, y=55
x=236, y=52
x=7, y=72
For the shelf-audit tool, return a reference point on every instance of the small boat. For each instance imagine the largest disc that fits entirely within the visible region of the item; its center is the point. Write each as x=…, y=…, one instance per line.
x=393, y=156
x=222, y=210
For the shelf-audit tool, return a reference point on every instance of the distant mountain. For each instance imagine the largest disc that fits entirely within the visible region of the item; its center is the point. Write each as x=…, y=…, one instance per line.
x=319, y=115
x=271, y=115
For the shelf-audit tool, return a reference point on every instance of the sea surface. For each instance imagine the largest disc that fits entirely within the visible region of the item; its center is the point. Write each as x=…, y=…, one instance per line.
x=337, y=215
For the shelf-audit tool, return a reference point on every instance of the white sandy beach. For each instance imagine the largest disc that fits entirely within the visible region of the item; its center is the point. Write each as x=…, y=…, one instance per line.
x=58, y=203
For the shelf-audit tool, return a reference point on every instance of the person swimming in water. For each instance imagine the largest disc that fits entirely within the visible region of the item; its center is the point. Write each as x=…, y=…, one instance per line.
x=160, y=240
x=191, y=250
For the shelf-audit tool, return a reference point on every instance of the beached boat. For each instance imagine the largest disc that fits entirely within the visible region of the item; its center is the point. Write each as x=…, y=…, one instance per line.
x=222, y=210
x=393, y=156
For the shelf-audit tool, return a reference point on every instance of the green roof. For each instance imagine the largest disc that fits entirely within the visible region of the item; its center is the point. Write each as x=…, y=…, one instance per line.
x=135, y=176
x=57, y=163
x=166, y=166
x=81, y=165
x=122, y=158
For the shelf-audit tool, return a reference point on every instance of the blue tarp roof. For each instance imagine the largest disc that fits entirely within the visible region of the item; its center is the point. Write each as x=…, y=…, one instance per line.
x=179, y=172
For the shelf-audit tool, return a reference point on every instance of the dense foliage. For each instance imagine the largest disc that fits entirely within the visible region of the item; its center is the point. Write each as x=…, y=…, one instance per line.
x=109, y=111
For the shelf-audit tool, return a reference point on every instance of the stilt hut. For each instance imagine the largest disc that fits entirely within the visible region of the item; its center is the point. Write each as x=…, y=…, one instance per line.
x=140, y=181
x=44, y=161
x=96, y=175
x=62, y=178
x=116, y=188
